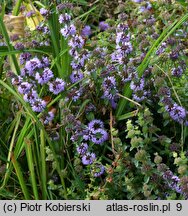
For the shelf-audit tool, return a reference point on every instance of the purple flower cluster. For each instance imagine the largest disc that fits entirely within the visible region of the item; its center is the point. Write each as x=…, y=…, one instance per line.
x=24, y=57
x=19, y=46
x=64, y=18
x=88, y=158
x=37, y=69
x=38, y=105
x=57, y=86
x=78, y=54
x=32, y=65
x=44, y=12
x=123, y=44
x=76, y=76
x=36, y=72
x=147, y=6
x=48, y=117
x=95, y=124
x=98, y=169
x=31, y=96
x=75, y=93
x=103, y=26
x=137, y=84
x=177, y=72
x=78, y=59
x=139, y=93
x=82, y=149
x=138, y=1
x=24, y=87
x=30, y=13
x=94, y=132
x=161, y=49
x=176, y=112
x=44, y=77
x=43, y=29
x=172, y=181
x=86, y=31
x=69, y=28
x=174, y=54
x=110, y=90
x=99, y=136
x=76, y=42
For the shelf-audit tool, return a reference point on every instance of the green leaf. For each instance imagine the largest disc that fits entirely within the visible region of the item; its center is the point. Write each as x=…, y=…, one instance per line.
x=82, y=107
x=182, y=2
x=20, y=178
x=16, y=8
x=126, y=115
x=38, y=3
x=30, y=162
x=146, y=179
x=90, y=116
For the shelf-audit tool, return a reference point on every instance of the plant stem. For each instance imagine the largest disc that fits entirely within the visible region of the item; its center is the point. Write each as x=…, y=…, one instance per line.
x=111, y=135
x=132, y=101
x=16, y=8
x=177, y=97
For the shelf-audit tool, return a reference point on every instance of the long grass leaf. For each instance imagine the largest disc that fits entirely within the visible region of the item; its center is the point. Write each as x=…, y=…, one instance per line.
x=16, y=8
x=20, y=177
x=30, y=162
x=13, y=139
x=127, y=115
x=43, y=164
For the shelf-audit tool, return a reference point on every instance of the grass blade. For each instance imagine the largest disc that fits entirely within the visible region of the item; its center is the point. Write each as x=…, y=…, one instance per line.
x=13, y=140
x=127, y=115
x=20, y=178
x=30, y=162
x=43, y=164
x=16, y=8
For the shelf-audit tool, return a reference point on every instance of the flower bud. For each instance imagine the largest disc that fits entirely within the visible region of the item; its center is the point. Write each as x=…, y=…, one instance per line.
x=136, y=141
x=141, y=155
x=147, y=193
x=158, y=159
x=178, y=161
x=182, y=169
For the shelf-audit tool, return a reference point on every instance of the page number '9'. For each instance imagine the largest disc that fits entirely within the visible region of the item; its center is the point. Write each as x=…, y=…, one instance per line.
x=178, y=206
